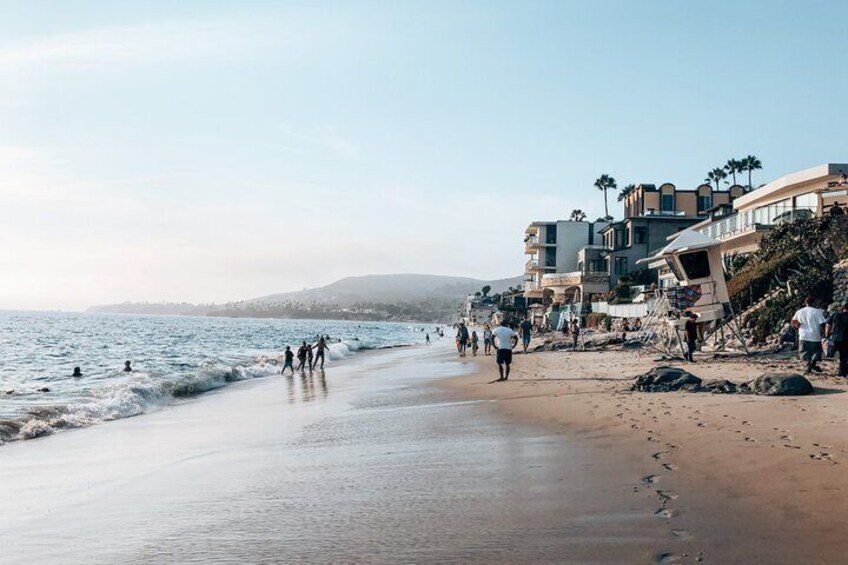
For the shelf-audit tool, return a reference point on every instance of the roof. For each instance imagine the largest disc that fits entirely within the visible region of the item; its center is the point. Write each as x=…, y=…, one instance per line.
x=811, y=175
x=688, y=240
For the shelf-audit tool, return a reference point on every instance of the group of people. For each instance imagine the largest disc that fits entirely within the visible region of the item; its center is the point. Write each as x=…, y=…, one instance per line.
x=815, y=330
x=305, y=356
x=78, y=371
x=572, y=328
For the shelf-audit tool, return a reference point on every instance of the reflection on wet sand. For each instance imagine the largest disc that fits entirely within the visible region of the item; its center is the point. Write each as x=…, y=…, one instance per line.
x=307, y=386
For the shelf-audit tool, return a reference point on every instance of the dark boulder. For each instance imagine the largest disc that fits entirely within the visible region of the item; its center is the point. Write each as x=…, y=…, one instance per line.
x=665, y=379
x=780, y=384
x=719, y=386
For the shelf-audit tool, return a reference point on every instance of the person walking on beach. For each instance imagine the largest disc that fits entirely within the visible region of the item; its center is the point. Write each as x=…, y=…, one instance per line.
x=475, y=344
x=309, y=356
x=301, y=356
x=690, y=328
x=427, y=339
x=575, y=333
x=526, y=329
x=809, y=321
x=319, y=348
x=837, y=330
x=487, y=340
x=289, y=361
x=504, y=340
x=462, y=339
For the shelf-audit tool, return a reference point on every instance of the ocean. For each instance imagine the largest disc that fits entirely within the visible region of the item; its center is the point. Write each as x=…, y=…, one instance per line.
x=174, y=358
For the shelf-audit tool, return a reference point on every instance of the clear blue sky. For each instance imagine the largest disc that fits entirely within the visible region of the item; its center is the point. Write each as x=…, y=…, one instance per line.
x=202, y=150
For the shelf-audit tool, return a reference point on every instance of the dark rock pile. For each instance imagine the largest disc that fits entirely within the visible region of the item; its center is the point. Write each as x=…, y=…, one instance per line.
x=668, y=379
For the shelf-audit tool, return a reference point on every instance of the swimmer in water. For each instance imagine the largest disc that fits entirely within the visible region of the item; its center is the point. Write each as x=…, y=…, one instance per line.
x=127, y=367
x=77, y=372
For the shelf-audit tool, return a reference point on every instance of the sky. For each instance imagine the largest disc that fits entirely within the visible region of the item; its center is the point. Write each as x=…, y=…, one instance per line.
x=209, y=151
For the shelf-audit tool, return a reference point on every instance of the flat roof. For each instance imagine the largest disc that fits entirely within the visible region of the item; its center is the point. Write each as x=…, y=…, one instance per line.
x=807, y=176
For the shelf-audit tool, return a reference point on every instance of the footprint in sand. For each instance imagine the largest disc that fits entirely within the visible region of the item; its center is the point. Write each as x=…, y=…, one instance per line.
x=650, y=479
x=669, y=466
x=682, y=534
x=666, y=495
x=702, y=424
x=666, y=513
x=751, y=439
x=658, y=455
x=823, y=457
x=668, y=559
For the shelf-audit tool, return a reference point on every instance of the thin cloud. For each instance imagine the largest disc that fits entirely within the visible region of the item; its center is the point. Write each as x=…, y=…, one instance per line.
x=135, y=44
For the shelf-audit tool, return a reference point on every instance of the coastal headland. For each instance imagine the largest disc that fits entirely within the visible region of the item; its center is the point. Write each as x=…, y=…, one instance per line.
x=733, y=478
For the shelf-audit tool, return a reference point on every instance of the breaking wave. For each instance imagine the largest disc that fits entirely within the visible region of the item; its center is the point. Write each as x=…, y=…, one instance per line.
x=140, y=393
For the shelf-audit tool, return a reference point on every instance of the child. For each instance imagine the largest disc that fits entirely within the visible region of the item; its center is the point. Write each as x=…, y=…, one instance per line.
x=289, y=361
x=474, y=344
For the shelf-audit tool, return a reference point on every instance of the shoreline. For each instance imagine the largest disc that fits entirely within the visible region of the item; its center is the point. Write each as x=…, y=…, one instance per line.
x=735, y=478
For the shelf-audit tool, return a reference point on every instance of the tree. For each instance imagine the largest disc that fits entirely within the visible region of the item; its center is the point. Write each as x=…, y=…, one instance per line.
x=604, y=183
x=625, y=192
x=716, y=176
x=734, y=166
x=750, y=164
x=486, y=289
x=577, y=215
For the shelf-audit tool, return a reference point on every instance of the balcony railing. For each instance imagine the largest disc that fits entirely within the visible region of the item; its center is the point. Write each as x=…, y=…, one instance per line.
x=574, y=278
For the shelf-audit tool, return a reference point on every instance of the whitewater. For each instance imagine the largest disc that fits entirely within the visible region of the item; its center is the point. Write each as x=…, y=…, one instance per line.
x=174, y=358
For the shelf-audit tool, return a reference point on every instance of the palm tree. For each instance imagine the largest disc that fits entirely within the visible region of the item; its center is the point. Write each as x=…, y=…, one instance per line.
x=733, y=166
x=577, y=215
x=751, y=163
x=625, y=192
x=716, y=176
x=605, y=183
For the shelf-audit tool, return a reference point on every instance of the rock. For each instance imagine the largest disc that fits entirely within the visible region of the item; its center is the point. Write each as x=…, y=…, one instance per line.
x=632, y=344
x=665, y=379
x=719, y=386
x=780, y=384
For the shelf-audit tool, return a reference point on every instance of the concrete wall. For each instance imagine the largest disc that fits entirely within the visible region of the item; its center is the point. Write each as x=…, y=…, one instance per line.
x=571, y=238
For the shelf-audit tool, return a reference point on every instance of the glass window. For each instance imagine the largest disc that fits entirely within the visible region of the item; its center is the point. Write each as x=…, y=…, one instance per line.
x=705, y=203
x=551, y=233
x=621, y=265
x=695, y=264
x=640, y=234
x=667, y=203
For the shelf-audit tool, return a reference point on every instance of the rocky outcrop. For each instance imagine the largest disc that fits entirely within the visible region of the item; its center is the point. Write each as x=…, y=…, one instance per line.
x=668, y=379
x=840, y=281
x=779, y=384
x=665, y=379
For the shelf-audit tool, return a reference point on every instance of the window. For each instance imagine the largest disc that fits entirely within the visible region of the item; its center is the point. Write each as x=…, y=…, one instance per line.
x=696, y=265
x=551, y=234
x=705, y=203
x=621, y=265
x=620, y=240
x=667, y=204
x=640, y=234
x=550, y=257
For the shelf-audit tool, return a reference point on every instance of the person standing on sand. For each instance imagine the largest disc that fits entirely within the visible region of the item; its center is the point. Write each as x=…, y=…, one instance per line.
x=289, y=360
x=320, y=348
x=690, y=328
x=461, y=339
x=526, y=329
x=809, y=321
x=837, y=330
x=475, y=344
x=427, y=339
x=301, y=356
x=575, y=333
x=487, y=340
x=504, y=340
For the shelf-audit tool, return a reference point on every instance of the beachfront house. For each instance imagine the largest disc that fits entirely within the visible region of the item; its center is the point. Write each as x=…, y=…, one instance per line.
x=553, y=249
x=651, y=215
x=804, y=194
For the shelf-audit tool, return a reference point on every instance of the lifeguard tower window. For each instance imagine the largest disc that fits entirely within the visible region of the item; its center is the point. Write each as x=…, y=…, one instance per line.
x=696, y=264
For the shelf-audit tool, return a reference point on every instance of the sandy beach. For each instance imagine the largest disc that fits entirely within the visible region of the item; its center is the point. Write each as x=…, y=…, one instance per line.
x=371, y=462
x=734, y=478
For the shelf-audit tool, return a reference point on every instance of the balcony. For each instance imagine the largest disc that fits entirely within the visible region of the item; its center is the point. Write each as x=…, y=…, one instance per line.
x=533, y=266
x=575, y=278
x=532, y=244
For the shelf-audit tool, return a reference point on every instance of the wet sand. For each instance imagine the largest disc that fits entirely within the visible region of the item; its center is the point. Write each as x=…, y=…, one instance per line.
x=372, y=463
x=733, y=478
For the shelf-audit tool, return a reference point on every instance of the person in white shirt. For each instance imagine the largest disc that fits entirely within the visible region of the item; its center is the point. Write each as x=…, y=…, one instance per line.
x=504, y=339
x=809, y=321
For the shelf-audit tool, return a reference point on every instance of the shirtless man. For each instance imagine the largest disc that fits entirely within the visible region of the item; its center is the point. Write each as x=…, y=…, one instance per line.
x=319, y=353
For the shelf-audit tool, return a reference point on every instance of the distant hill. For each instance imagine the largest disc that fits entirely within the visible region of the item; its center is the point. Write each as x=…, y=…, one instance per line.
x=390, y=289
x=403, y=297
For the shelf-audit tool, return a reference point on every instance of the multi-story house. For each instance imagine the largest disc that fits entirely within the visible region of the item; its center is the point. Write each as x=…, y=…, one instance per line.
x=553, y=248
x=652, y=214
x=804, y=194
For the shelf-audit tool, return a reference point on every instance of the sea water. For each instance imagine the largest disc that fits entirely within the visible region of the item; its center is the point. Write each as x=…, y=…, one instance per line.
x=172, y=357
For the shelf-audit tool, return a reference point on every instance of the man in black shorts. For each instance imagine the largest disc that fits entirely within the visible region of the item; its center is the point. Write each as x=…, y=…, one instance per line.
x=505, y=341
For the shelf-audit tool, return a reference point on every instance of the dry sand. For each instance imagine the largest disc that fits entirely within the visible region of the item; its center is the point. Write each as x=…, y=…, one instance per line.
x=736, y=478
